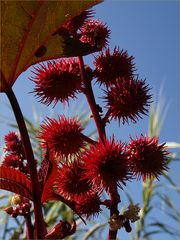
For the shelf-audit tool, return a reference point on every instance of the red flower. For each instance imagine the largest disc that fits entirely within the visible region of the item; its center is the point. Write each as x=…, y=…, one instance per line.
x=127, y=100
x=111, y=66
x=13, y=143
x=106, y=165
x=72, y=25
x=95, y=33
x=147, y=158
x=63, y=136
x=89, y=205
x=69, y=182
x=57, y=81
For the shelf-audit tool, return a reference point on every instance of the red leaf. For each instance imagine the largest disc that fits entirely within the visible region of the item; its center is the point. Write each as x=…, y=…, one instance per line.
x=48, y=193
x=61, y=230
x=17, y=179
x=16, y=188
x=45, y=169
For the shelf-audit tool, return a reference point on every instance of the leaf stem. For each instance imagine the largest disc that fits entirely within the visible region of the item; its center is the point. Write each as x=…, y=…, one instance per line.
x=39, y=221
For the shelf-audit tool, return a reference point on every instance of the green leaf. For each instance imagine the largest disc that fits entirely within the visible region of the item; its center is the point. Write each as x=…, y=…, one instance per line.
x=27, y=34
x=170, y=180
x=128, y=195
x=3, y=196
x=166, y=229
x=169, y=203
x=151, y=233
x=92, y=230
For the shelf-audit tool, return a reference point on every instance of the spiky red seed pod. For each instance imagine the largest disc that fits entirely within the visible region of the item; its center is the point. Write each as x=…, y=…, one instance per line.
x=147, y=158
x=63, y=136
x=69, y=182
x=127, y=100
x=73, y=24
x=13, y=143
x=61, y=230
x=11, y=160
x=95, y=33
x=111, y=66
x=106, y=165
x=57, y=81
x=88, y=205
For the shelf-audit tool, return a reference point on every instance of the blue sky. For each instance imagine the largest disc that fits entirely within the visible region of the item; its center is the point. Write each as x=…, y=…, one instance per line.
x=148, y=30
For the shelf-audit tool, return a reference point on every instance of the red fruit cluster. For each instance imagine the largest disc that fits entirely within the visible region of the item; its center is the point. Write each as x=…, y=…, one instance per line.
x=71, y=26
x=63, y=136
x=15, y=156
x=13, y=143
x=88, y=206
x=69, y=182
x=127, y=100
x=57, y=81
x=126, y=96
x=106, y=165
x=109, y=66
x=146, y=157
x=95, y=33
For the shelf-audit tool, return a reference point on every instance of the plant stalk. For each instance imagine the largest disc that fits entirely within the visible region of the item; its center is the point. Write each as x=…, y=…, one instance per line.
x=115, y=199
x=102, y=135
x=91, y=101
x=39, y=221
x=29, y=227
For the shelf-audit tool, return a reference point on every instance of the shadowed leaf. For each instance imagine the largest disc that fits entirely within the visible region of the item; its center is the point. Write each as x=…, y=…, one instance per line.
x=45, y=169
x=27, y=29
x=15, y=188
x=15, y=181
x=165, y=228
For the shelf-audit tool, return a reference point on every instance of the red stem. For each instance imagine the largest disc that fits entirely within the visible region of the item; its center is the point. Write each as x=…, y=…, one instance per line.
x=102, y=134
x=89, y=140
x=115, y=199
x=91, y=101
x=112, y=235
x=29, y=227
x=39, y=221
